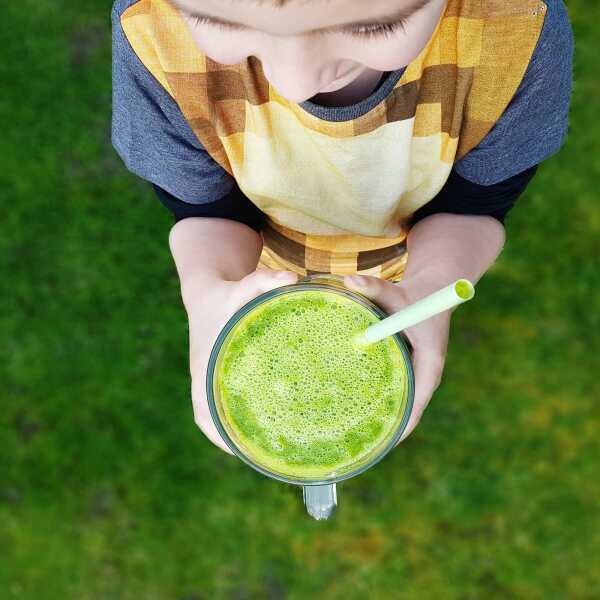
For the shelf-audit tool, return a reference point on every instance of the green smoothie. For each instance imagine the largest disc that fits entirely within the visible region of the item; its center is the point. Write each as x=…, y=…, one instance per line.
x=300, y=397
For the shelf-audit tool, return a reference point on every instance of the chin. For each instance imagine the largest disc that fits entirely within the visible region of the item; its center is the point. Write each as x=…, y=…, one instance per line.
x=333, y=87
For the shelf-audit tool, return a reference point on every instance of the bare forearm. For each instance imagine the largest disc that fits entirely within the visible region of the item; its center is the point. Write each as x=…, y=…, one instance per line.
x=214, y=248
x=449, y=246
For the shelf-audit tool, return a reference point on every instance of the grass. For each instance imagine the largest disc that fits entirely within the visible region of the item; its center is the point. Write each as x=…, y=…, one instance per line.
x=107, y=489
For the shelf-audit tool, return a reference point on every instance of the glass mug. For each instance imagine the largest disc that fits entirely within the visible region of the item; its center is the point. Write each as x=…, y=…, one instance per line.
x=320, y=494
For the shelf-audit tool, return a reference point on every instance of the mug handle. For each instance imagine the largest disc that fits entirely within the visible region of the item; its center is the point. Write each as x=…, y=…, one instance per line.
x=320, y=500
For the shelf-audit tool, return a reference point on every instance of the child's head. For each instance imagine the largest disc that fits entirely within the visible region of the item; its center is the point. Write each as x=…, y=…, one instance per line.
x=311, y=46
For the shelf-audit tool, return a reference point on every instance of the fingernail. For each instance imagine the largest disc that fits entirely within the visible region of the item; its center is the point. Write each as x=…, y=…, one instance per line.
x=285, y=275
x=357, y=280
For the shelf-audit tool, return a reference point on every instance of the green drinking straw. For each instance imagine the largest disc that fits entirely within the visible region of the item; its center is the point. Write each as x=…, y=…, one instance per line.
x=456, y=293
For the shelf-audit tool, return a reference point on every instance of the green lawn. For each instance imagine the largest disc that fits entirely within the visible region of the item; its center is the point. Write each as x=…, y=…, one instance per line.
x=108, y=490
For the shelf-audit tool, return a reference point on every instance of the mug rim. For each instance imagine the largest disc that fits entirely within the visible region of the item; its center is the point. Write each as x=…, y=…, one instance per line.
x=307, y=285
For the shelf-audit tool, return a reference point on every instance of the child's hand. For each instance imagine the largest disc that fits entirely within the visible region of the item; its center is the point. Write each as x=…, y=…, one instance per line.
x=209, y=304
x=428, y=339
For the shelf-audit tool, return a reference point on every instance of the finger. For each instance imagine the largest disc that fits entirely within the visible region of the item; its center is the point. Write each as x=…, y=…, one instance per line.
x=428, y=368
x=203, y=419
x=260, y=282
x=382, y=292
x=215, y=438
x=209, y=430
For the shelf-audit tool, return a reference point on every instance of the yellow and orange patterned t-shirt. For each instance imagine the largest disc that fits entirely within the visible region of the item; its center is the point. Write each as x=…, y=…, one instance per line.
x=339, y=194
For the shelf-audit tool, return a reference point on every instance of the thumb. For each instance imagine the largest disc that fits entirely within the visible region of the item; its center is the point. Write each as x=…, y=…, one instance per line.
x=428, y=368
x=383, y=293
x=262, y=281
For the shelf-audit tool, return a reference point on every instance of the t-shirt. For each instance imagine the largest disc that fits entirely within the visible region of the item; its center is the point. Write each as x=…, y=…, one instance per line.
x=156, y=142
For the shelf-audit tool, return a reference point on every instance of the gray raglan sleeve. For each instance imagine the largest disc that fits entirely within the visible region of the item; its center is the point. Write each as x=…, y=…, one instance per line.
x=534, y=125
x=150, y=133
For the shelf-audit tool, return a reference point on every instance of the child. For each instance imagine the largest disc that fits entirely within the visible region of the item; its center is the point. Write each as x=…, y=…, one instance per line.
x=383, y=140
